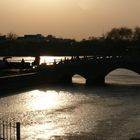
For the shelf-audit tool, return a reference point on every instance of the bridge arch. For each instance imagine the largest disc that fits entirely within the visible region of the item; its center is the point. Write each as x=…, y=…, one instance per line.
x=97, y=76
x=77, y=78
x=122, y=75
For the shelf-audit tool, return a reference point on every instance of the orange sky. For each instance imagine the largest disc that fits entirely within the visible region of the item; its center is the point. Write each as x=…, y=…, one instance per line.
x=67, y=18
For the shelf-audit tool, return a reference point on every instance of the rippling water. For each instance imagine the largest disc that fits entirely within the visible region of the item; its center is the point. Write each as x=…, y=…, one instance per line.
x=78, y=112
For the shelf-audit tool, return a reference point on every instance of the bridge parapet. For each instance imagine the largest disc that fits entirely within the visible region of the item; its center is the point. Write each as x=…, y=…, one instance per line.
x=94, y=59
x=94, y=68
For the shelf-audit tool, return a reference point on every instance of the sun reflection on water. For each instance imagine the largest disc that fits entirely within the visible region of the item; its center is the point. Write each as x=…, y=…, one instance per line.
x=43, y=124
x=50, y=59
x=44, y=100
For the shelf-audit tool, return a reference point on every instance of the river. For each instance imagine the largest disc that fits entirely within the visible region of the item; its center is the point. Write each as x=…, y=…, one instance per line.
x=78, y=112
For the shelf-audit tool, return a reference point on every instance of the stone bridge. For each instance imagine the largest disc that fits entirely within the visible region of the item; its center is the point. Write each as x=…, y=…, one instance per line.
x=93, y=69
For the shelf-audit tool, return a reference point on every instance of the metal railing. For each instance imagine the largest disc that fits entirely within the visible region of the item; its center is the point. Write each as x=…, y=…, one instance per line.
x=9, y=130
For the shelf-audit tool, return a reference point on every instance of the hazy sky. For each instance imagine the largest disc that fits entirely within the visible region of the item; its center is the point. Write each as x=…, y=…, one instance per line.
x=67, y=18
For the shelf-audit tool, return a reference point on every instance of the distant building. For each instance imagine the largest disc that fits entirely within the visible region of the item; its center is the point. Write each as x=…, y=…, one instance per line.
x=32, y=38
x=52, y=38
x=21, y=38
x=3, y=38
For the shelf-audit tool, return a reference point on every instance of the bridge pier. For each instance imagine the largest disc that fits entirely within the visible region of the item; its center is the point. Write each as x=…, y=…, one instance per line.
x=95, y=81
x=65, y=80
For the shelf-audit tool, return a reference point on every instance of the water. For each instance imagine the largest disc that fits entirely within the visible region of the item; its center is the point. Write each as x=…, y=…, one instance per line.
x=78, y=112
x=43, y=59
x=18, y=59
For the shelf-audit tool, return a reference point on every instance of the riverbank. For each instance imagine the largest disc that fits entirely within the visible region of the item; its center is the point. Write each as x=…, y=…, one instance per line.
x=8, y=72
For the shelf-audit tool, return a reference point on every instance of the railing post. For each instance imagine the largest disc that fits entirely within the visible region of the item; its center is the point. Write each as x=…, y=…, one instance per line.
x=10, y=131
x=6, y=131
x=3, y=130
x=0, y=129
x=18, y=130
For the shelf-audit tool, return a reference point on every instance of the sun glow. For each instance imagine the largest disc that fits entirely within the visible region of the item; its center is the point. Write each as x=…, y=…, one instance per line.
x=50, y=59
x=44, y=100
x=86, y=4
x=67, y=18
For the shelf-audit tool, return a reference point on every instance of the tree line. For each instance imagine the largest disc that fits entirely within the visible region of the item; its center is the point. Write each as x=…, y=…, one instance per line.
x=118, y=41
x=122, y=33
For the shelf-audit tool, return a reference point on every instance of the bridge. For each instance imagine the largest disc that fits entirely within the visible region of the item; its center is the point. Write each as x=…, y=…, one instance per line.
x=94, y=68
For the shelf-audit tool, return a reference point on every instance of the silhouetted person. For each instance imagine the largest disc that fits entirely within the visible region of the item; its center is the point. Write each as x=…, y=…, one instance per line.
x=36, y=61
x=22, y=63
x=77, y=58
x=54, y=62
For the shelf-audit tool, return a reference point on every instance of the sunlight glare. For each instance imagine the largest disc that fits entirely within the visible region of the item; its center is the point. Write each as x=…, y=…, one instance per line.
x=44, y=100
x=46, y=59
x=49, y=59
x=86, y=4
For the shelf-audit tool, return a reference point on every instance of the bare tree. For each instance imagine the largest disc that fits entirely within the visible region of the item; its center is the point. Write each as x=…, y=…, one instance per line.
x=92, y=38
x=113, y=34
x=125, y=33
x=122, y=33
x=11, y=36
x=136, y=33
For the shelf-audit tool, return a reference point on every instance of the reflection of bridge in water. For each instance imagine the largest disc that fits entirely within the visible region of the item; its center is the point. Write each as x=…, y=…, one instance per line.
x=93, y=69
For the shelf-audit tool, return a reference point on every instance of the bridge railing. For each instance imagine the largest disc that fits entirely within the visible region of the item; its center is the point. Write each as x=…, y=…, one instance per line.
x=85, y=58
x=9, y=130
x=96, y=58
